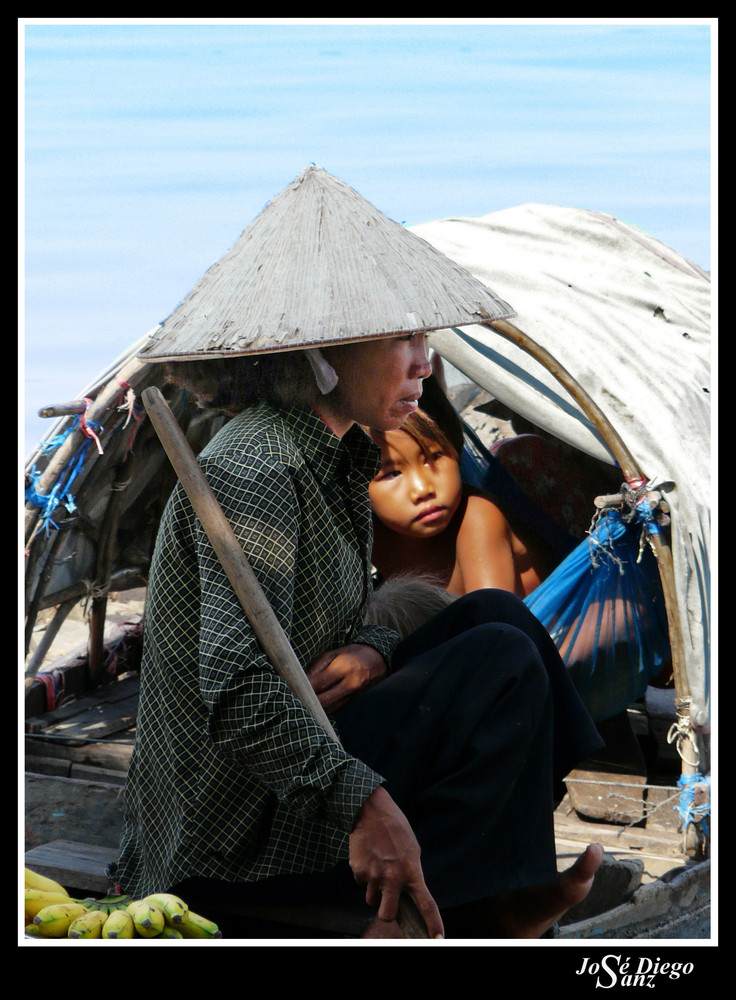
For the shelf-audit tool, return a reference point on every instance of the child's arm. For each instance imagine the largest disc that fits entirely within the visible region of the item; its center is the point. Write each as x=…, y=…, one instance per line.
x=483, y=551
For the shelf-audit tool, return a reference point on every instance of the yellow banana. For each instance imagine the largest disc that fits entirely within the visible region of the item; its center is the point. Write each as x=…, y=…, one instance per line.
x=175, y=910
x=148, y=919
x=32, y=930
x=118, y=925
x=88, y=925
x=198, y=927
x=36, y=881
x=171, y=932
x=36, y=899
x=54, y=920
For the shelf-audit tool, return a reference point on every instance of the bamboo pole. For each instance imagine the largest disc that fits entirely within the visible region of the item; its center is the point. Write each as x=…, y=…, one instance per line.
x=633, y=474
x=247, y=588
x=63, y=409
x=268, y=629
x=50, y=633
x=110, y=390
x=34, y=603
x=100, y=405
x=129, y=578
x=587, y=404
x=105, y=553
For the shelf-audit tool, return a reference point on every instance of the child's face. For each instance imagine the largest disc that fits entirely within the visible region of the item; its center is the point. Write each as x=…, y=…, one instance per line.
x=414, y=493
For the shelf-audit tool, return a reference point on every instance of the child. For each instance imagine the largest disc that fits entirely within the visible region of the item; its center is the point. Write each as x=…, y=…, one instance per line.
x=434, y=532
x=428, y=522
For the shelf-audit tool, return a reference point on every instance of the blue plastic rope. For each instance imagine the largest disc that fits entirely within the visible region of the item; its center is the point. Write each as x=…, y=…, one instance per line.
x=61, y=493
x=53, y=443
x=645, y=515
x=687, y=812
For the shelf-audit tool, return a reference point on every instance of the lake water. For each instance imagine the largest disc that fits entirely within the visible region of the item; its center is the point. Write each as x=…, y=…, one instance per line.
x=149, y=148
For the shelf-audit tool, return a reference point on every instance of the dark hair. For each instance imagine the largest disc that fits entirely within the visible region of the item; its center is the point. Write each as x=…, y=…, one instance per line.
x=283, y=378
x=427, y=433
x=434, y=401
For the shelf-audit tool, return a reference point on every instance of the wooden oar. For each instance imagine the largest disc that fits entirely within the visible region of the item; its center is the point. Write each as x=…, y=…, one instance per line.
x=269, y=631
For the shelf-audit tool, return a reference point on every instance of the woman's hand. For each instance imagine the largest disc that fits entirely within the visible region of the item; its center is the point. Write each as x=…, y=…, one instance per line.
x=384, y=857
x=339, y=674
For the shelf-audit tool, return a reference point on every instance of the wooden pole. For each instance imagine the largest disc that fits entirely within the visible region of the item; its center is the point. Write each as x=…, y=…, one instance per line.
x=632, y=473
x=247, y=588
x=105, y=399
x=50, y=633
x=105, y=555
x=268, y=629
x=63, y=409
x=587, y=404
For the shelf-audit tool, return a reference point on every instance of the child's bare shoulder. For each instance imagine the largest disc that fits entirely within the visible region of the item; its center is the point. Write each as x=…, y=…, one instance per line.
x=480, y=512
x=479, y=502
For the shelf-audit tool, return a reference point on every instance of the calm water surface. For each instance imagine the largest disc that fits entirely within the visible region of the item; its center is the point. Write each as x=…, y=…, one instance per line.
x=148, y=149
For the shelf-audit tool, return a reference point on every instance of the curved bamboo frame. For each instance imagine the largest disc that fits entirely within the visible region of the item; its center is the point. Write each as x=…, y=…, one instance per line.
x=632, y=473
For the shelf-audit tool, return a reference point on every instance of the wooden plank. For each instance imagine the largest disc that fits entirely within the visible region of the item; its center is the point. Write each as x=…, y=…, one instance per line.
x=124, y=640
x=600, y=795
x=58, y=766
x=112, y=756
x=73, y=714
x=661, y=812
x=87, y=773
x=620, y=839
x=97, y=722
x=74, y=670
x=73, y=864
x=109, y=710
x=109, y=694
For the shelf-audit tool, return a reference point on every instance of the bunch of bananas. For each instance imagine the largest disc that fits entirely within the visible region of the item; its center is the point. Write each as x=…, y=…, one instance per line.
x=50, y=912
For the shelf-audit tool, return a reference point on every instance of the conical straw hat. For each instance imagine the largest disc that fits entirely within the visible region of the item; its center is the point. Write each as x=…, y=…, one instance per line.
x=319, y=266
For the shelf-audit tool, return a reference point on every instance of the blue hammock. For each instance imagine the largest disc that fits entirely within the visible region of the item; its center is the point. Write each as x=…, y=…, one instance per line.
x=604, y=608
x=603, y=604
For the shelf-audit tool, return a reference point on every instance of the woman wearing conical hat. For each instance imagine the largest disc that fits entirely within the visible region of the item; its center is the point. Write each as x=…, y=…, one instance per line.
x=451, y=741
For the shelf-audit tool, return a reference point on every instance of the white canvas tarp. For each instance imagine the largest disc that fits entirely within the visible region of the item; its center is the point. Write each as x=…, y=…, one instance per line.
x=630, y=320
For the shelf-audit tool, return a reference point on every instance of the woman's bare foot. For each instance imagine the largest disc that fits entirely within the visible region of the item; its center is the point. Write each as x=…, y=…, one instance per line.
x=528, y=913
x=525, y=913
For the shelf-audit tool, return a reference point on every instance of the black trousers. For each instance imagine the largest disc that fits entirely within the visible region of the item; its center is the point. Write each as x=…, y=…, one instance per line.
x=472, y=730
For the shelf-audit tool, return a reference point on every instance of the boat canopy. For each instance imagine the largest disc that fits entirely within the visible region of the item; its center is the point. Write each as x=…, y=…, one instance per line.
x=629, y=319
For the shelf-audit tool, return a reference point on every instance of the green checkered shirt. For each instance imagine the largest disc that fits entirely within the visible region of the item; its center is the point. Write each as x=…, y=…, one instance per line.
x=230, y=777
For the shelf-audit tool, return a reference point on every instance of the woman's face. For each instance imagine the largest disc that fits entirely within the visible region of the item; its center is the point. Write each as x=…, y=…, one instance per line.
x=379, y=381
x=415, y=493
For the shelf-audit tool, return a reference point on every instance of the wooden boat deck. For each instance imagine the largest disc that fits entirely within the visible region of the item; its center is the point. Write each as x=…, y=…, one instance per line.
x=77, y=756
